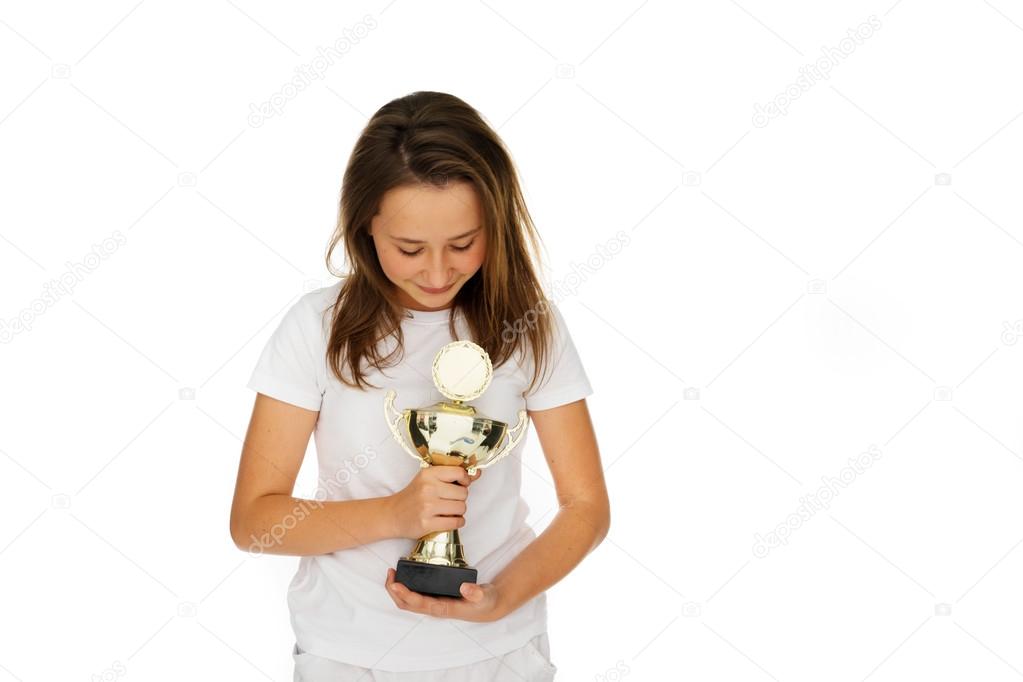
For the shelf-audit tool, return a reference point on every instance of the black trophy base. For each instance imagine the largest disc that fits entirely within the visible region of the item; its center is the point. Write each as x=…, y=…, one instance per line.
x=433, y=579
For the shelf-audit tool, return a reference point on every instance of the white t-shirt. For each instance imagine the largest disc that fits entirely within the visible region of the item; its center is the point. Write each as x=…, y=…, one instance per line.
x=339, y=606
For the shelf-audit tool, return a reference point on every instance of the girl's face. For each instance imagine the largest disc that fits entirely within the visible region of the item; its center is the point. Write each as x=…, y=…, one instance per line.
x=429, y=238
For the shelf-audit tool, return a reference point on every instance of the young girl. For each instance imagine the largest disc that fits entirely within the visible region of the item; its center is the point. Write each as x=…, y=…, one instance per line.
x=435, y=229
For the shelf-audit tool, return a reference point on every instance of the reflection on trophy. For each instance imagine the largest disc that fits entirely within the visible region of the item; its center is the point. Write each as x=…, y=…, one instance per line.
x=453, y=434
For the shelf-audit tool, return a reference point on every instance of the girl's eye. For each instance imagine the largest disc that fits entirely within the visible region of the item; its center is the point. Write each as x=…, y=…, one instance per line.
x=456, y=248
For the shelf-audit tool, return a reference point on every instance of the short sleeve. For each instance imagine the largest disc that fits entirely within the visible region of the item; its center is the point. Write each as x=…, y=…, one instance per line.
x=288, y=369
x=564, y=380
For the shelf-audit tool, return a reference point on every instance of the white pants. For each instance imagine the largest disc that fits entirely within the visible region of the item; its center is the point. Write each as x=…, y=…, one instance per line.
x=529, y=663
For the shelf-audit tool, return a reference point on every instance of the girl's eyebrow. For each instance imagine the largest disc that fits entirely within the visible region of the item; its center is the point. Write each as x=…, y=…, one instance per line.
x=419, y=241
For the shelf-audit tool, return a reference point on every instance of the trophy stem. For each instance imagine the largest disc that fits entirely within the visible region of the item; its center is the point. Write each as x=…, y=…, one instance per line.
x=443, y=548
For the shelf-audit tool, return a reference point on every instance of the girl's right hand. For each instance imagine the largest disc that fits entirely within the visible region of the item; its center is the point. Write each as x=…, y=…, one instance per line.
x=433, y=501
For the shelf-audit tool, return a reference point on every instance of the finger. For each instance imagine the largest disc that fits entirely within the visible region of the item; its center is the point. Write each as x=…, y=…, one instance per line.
x=450, y=508
x=453, y=491
x=451, y=474
x=389, y=583
x=395, y=589
x=420, y=603
x=397, y=602
x=436, y=607
x=406, y=598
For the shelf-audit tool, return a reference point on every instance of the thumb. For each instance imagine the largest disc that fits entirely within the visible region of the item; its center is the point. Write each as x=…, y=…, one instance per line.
x=471, y=592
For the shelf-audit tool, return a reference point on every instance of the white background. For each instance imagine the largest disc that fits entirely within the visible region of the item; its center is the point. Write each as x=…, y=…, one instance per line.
x=843, y=280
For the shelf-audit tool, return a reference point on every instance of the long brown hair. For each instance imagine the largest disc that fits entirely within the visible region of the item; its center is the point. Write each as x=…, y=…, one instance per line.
x=432, y=138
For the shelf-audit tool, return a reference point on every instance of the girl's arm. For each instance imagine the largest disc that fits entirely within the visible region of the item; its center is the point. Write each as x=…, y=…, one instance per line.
x=264, y=515
x=584, y=516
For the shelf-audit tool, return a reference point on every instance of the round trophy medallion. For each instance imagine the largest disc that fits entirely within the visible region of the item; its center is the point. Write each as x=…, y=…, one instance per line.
x=462, y=370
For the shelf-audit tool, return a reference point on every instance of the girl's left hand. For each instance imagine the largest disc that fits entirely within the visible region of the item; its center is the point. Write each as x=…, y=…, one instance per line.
x=478, y=602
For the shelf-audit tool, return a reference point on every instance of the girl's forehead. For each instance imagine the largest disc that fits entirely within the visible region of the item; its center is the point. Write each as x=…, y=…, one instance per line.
x=425, y=212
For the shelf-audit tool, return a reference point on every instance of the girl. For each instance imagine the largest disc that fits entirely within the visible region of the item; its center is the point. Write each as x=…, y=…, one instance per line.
x=434, y=227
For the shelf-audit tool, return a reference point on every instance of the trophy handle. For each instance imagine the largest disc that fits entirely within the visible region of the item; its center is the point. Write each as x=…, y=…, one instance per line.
x=393, y=417
x=513, y=436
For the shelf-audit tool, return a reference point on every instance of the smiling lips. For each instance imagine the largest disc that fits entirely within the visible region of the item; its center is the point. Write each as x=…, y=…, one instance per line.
x=435, y=291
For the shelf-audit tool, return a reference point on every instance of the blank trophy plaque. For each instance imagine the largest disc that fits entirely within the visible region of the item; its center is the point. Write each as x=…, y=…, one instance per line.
x=449, y=433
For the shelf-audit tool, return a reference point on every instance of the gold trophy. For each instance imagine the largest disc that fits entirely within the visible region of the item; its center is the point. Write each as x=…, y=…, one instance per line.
x=454, y=434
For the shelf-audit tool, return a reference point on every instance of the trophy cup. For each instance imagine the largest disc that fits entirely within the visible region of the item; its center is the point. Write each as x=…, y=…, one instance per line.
x=449, y=433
